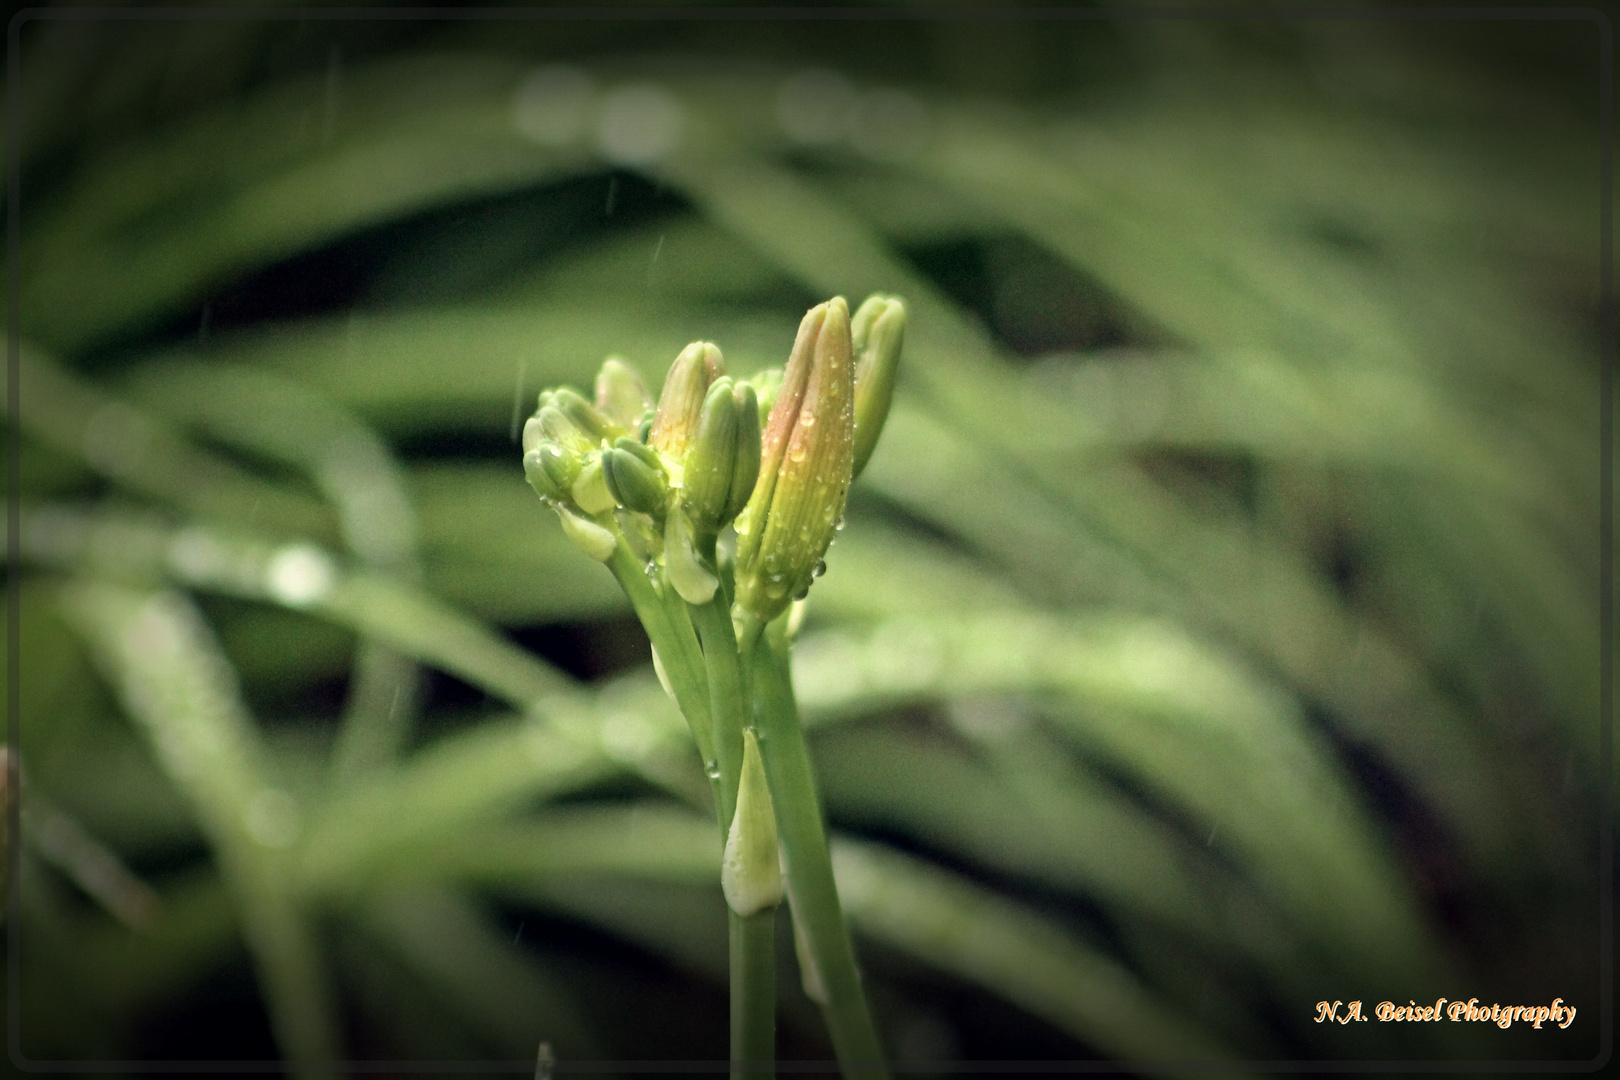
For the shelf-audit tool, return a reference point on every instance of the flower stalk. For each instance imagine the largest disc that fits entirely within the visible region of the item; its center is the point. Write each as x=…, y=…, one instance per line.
x=715, y=510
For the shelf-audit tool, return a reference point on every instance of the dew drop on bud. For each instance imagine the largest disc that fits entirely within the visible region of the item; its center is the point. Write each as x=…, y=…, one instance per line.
x=821, y=568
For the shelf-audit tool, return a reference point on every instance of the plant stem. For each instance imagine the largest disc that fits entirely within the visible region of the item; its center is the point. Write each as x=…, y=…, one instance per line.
x=753, y=994
x=753, y=940
x=669, y=629
x=810, y=885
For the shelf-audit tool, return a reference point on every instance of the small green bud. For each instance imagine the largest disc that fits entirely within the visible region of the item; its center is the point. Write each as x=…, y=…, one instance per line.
x=685, y=387
x=621, y=396
x=561, y=466
x=590, y=489
x=588, y=536
x=584, y=416
x=533, y=434
x=751, y=874
x=693, y=580
x=722, y=462
x=807, y=454
x=635, y=477
x=877, y=330
x=555, y=426
x=535, y=474
x=641, y=535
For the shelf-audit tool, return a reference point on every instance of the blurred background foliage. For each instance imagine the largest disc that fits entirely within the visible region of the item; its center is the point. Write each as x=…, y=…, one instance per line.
x=1215, y=631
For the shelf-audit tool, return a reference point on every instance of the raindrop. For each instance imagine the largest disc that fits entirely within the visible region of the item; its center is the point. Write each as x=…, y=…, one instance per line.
x=711, y=768
x=838, y=526
x=544, y=1062
x=803, y=593
x=821, y=568
x=796, y=454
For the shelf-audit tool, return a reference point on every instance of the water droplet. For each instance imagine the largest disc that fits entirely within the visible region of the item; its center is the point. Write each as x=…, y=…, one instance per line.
x=821, y=568
x=803, y=593
x=712, y=769
x=838, y=526
x=807, y=418
x=796, y=454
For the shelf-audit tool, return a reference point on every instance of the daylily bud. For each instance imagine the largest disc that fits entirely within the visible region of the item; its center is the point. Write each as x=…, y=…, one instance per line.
x=621, y=396
x=806, y=457
x=635, y=476
x=533, y=433
x=693, y=580
x=536, y=475
x=877, y=331
x=751, y=874
x=582, y=414
x=698, y=365
x=588, y=536
x=590, y=490
x=722, y=463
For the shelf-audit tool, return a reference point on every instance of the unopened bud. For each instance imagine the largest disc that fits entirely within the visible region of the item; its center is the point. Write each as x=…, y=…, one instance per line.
x=534, y=472
x=584, y=416
x=590, y=490
x=679, y=406
x=621, y=396
x=877, y=331
x=635, y=476
x=805, y=467
x=694, y=581
x=751, y=874
x=588, y=536
x=722, y=463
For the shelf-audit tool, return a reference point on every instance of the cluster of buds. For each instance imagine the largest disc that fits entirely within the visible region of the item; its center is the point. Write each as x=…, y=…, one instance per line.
x=667, y=480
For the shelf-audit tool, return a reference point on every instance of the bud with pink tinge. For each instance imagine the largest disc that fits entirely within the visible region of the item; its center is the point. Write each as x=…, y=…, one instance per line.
x=807, y=457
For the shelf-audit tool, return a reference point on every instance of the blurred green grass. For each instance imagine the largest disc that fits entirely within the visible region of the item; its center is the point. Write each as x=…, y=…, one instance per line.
x=1215, y=630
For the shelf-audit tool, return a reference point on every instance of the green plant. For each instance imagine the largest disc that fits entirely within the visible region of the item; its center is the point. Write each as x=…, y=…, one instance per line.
x=1213, y=632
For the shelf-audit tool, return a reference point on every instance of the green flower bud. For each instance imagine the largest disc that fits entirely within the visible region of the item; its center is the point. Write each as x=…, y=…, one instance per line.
x=621, y=396
x=590, y=490
x=685, y=387
x=635, y=477
x=722, y=463
x=877, y=331
x=561, y=466
x=588, y=536
x=582, y=414
x=693, y=580
x=534, y=472
x=533, y=434
x=807, y=455
x=751, y=873
x=554, y=426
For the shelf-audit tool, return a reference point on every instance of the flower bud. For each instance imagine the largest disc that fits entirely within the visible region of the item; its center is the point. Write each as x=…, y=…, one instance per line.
x=685, y=387
x=584, y=416
x=533, y=434
x=635, y=477
x=751, y=873
x=588, y=536
x=621, y=396
x=805, y=467
x=877, y=331
x=534, y=472
x=590, y=490
x=694, y=581
x=722, y=462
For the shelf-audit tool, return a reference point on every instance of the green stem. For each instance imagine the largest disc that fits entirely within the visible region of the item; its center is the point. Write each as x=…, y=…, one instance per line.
x=753, y=994
x=753, y=944
x=810, y=886
x=669, y=629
